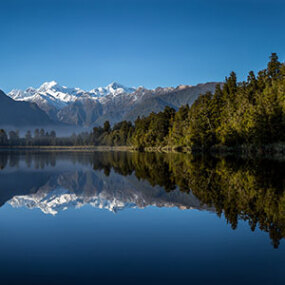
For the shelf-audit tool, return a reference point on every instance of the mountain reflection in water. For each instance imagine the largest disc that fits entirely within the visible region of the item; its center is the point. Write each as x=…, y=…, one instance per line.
x=252, y=191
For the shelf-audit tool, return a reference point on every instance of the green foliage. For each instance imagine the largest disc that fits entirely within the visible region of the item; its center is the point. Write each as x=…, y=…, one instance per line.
x=250, y=112
x=154, y=129
x=147, y=131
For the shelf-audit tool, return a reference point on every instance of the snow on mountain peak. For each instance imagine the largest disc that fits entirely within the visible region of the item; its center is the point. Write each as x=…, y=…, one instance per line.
x=113, y=88
x=47, y=85
x=51, y=93
x=116, y=88
x=115, y=85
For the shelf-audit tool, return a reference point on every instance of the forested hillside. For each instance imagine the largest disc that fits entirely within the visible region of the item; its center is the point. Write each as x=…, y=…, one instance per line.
x=248, y=112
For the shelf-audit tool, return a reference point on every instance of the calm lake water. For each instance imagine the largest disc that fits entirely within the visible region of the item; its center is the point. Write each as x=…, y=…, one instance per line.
x=134, y=218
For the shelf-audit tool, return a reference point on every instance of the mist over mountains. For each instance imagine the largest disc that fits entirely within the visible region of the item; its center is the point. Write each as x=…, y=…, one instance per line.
x=53, y=104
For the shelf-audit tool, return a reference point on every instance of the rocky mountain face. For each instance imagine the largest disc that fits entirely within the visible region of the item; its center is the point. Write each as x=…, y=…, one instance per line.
x=14, y=113
x=114, y=102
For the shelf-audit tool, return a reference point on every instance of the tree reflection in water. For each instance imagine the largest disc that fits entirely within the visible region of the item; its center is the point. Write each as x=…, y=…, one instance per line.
x=249, y=190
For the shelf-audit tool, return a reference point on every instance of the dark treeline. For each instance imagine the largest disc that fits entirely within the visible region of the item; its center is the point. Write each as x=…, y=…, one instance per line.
x=238, y=113
x=40, y=137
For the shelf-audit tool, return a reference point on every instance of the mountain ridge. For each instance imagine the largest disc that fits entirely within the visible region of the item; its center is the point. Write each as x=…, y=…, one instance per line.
x=114, y=102
x=15, y=113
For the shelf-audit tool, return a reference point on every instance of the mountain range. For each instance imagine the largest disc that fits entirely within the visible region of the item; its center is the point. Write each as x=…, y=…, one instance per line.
x=115, y=102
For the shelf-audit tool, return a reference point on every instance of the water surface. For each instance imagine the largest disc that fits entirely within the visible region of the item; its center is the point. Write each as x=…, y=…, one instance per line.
x=134, y=218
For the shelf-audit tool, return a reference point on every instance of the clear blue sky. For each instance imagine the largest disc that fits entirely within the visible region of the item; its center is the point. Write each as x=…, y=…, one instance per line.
x=151, y=43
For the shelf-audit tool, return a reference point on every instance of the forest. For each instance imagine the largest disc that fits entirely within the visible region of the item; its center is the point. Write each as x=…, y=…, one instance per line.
x=250, y=112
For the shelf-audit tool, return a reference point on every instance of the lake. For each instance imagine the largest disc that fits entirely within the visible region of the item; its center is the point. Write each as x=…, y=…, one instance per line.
x=140, y=218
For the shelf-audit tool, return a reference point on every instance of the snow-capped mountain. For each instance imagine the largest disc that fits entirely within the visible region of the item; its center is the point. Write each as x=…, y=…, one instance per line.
x=112, y=89
x=115, y=102
x=55, y=95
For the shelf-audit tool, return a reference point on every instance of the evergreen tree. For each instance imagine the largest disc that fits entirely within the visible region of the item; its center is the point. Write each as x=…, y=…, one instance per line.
x=3, y=138
x=107, y=127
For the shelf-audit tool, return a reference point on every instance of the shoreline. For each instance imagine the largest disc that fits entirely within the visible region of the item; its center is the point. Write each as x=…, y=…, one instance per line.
x=67, y=148
x=276, y=150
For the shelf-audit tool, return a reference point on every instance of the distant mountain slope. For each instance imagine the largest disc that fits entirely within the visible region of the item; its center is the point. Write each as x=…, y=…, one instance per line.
x=114, y=102
x=13, y=113
x=158, y=99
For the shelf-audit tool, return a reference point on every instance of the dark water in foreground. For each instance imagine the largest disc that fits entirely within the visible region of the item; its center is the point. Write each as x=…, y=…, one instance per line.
x=130, y=218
